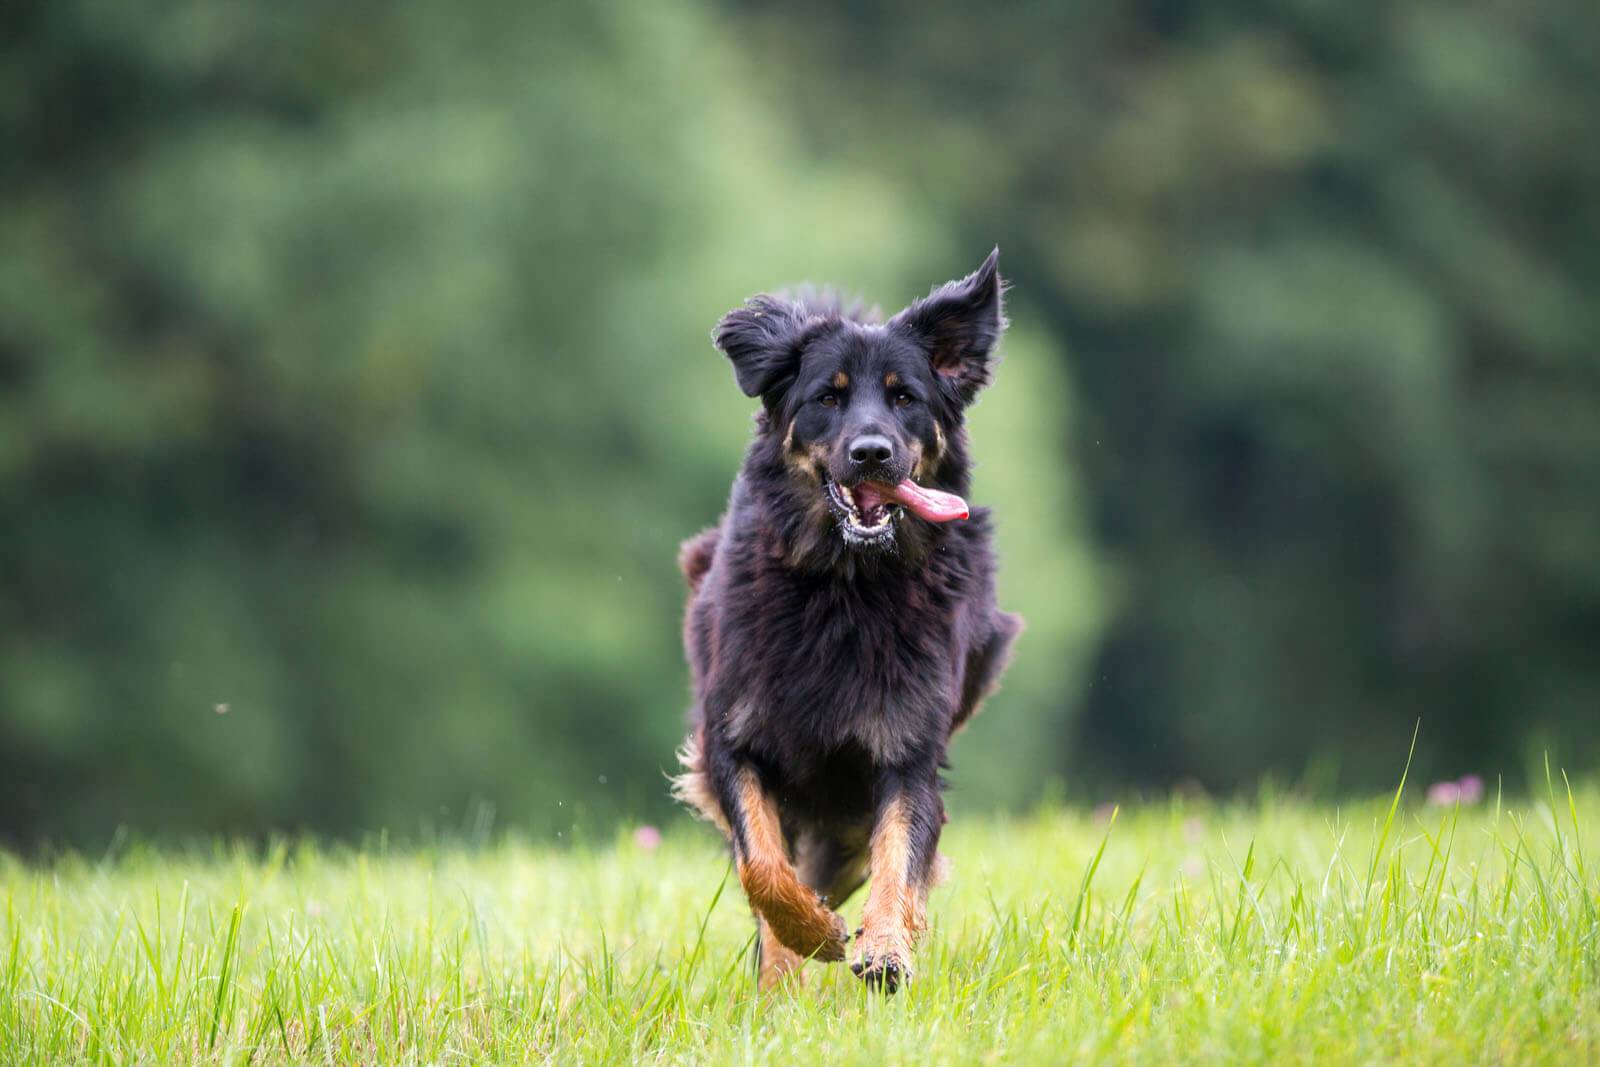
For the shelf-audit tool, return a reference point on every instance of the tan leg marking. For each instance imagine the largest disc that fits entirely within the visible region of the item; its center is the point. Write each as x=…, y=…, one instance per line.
x=778, y=961
x=896, y=909
x=798, y=919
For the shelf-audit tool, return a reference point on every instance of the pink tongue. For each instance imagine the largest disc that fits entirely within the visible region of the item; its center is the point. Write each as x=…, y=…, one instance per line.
x=932, y=504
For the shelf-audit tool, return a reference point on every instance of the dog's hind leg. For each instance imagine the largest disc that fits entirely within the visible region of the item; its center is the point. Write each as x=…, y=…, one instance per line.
x=775, y=961
x=797, y=918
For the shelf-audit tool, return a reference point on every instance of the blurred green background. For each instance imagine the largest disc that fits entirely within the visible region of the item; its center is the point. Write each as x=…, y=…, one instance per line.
x=355, y=389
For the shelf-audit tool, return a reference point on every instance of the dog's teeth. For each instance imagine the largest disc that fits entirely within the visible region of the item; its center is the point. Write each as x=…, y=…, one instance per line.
x=853, y=526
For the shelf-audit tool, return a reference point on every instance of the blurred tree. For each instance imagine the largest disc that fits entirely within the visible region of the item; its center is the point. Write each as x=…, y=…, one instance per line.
x=1328, y=276
x=355, y=393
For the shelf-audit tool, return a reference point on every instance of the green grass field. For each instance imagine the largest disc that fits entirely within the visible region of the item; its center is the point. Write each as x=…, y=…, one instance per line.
x=1273, y=931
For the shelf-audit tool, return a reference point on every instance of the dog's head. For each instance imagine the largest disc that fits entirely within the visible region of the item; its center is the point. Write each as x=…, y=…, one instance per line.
x=864, y=414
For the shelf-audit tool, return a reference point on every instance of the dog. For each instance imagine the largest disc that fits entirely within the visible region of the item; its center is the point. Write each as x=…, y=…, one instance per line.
x=842, y=622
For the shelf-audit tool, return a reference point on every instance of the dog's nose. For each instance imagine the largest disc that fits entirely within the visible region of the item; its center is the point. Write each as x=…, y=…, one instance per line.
x=872, y=448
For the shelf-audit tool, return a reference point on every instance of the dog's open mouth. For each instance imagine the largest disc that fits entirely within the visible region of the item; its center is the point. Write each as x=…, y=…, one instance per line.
x=867, y=511
x=864, y=513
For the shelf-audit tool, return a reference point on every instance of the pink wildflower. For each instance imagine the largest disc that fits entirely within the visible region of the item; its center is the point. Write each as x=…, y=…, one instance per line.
x=1467, y=791
x=1444, y=794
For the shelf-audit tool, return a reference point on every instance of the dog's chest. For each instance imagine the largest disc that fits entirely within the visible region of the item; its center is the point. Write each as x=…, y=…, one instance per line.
x=838, y=664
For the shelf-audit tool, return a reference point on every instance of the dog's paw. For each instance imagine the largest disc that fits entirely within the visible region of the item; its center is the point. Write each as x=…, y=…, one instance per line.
x=832, y=947
x=883, y=963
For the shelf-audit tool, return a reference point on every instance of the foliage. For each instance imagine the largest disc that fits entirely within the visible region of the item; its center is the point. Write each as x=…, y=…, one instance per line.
x=1324, y=277
x=355, y=393
x=354, y=389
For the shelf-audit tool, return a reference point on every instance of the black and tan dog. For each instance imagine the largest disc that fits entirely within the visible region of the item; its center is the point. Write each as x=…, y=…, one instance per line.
x=842, y=621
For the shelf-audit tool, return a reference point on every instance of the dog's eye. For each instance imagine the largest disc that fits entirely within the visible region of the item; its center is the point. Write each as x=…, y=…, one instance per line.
x=828, y=400
x=903, y=399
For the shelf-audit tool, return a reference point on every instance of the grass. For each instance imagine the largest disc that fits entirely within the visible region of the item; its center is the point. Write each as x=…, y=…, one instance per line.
x=1269, y=931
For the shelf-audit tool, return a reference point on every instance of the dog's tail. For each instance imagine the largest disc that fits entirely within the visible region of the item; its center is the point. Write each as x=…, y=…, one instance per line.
x=696, y=554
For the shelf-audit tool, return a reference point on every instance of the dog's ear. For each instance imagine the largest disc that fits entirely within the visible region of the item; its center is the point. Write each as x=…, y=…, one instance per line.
x=763, y=340
x=958, y=325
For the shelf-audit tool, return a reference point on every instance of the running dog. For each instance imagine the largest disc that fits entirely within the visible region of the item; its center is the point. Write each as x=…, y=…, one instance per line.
x=842, y=623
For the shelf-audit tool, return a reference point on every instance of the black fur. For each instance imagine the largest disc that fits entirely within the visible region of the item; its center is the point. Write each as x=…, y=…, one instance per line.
x=838, y=672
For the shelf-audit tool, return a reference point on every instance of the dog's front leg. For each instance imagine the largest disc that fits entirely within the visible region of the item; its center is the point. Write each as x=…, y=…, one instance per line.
x=794, y=914
x=905, y=840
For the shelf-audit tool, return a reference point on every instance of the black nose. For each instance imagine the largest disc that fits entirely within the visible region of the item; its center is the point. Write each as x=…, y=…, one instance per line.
x=872, y=448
